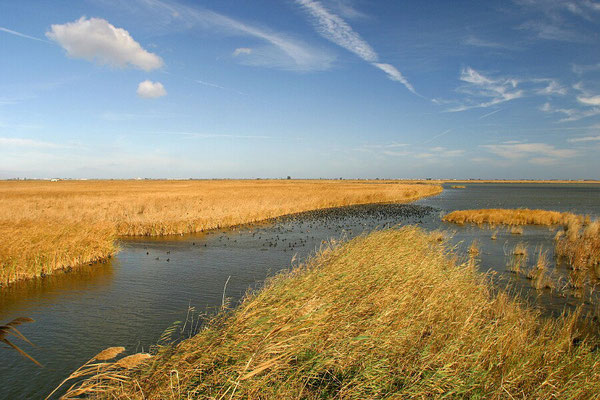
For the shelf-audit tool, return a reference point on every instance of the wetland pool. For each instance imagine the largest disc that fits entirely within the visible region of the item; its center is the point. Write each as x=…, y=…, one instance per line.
x=152, y=282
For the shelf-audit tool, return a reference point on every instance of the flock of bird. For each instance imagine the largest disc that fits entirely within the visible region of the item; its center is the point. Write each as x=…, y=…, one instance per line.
x=308, y=230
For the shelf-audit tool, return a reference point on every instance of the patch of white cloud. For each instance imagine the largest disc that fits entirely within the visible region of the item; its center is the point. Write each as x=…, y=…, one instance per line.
x=571, y=114
x=242, y=50
x=484, y=91
x=95, y=39
x=590, y=101
x=494, y=91
x=556, y=19
x=280, y=50
x=395, y=75
x=335, y=29
x=553, y=8
x=346, y=9
x=478, y=42
x=584, y=139
x=151, y=90
x=552, y=88
x=532, y=151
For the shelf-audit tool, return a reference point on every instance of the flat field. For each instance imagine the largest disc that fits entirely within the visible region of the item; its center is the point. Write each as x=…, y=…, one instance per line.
x=46, y=226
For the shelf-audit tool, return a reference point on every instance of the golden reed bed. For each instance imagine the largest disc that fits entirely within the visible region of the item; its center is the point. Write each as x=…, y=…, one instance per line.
x=47, y=226
x=578, y=243
x=392, y=315
x=519, y=216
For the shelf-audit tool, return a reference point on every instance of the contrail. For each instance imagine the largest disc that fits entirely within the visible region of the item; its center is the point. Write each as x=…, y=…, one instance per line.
x=22, y=35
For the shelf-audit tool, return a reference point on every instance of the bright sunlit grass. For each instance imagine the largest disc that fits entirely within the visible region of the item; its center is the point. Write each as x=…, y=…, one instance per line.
x=390, y=315
x=47, y=226
x=519, y=216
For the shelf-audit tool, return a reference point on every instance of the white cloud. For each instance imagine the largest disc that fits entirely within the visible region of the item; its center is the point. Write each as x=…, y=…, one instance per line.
x=590, y=101
x=335, y=29
x=477, y=42
x=493, y=91
x=424, y=155
x=151, y=90
x=280, y=50
x=95, y=39
x=241, y=50
x=338, y=31
x=553, y=88
x=585, y=139
x=573, y=114
x=515, y=151
x=395, y=75
x=484, y=91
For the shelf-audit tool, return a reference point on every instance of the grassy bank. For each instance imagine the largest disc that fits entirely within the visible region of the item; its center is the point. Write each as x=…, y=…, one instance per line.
x=47, y=226
x=519, y=216
x=390, y=315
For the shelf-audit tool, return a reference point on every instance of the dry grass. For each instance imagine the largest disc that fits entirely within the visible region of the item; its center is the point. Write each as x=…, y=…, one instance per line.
x=98, y=373
x=521, y=216
x=10, y=329
x=516, y=230
x=538, y=274
x=579, y=245
x=391, y=315
x=520, y=249
x=518, y=259
x=47, y=226
x=458, y=187
x=474, y=249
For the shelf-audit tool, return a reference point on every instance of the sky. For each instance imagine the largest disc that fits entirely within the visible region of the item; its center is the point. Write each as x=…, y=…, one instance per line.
x=301, y=88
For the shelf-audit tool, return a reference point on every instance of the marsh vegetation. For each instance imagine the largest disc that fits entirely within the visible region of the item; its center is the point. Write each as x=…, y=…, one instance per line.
x=56, y=225
x=390, y=314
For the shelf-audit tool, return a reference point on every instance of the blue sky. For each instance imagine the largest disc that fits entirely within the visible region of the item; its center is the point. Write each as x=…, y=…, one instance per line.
x=330, y=88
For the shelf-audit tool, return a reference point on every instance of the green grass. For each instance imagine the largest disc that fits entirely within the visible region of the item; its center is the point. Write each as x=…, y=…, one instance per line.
x=389, y=315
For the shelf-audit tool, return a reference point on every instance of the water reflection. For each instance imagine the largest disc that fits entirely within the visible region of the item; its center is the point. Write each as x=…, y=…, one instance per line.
x=23, y=297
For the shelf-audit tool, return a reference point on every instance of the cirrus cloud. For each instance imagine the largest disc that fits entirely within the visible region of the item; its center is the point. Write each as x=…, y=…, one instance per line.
x=95, y=39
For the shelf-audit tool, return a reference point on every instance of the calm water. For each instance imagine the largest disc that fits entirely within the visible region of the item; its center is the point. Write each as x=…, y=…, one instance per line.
x=150, y=284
